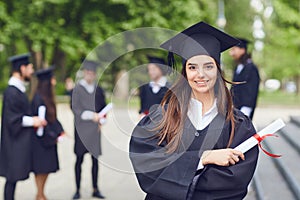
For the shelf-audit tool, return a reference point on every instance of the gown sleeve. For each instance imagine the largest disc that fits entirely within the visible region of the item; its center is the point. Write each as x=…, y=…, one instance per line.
x=14, y=112
x=100, y=101
x=76, y=101
x=231, y=182
x=251, y=87
x=166, y=175
x=36, y=103
x=142, y=98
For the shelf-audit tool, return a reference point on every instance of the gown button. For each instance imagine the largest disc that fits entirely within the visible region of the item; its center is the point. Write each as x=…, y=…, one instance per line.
x=196, y=134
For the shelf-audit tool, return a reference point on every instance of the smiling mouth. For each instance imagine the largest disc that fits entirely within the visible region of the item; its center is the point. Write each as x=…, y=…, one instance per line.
x=201, y=82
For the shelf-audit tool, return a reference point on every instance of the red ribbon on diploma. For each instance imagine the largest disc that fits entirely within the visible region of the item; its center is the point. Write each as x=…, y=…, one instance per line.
x=260, y=139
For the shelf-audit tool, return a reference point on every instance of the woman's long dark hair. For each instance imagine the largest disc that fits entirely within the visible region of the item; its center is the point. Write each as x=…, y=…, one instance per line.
x=178, y=98
x=46, y=91
x=244, y=58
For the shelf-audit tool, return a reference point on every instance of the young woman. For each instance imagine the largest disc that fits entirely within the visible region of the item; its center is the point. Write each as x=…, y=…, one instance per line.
x=184, y=148
x=44, y=148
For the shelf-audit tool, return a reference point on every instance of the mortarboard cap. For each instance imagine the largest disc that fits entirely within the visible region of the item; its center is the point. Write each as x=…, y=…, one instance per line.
x=157, y=60
x=19, y=60
x=199, y=39
x=243, y=43
x=45, y=74
x=90, y=65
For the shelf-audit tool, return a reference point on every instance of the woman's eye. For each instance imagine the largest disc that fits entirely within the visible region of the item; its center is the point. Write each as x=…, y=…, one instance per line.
x=192, y=67
x=208, y=67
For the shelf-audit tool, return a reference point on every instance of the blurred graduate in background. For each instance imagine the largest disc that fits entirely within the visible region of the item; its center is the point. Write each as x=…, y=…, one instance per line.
x=44, y=145
x=153, y=92
x=245, y=94
x=17, y=126
x=88, y=99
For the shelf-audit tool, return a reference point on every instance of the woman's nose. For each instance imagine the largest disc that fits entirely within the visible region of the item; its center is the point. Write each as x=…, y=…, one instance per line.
x=200, y=72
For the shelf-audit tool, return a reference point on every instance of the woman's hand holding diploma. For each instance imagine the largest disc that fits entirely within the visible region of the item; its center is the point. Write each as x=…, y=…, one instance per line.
x=222, y=157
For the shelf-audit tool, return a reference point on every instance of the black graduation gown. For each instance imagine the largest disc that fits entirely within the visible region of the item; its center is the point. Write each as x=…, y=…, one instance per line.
x=166, y=176
x=87, y=133
x=15, y=149
x=148, y=98
x=246, y=94
x=44, y=157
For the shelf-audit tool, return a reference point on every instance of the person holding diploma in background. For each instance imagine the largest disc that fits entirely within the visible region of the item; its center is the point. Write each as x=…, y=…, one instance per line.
x=17, y=126
x=184, y=148
x=245, y=94
x=44, y=145
x=87, y=100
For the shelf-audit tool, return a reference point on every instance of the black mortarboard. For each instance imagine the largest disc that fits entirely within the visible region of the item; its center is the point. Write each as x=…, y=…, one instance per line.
x=157, y=60
x=90, y=65
x=199, y=39
x=18, y=60
x=243, y=43
x=44, y=74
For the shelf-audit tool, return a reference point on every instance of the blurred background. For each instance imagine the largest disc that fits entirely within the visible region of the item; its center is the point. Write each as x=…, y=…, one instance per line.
x=64, y=32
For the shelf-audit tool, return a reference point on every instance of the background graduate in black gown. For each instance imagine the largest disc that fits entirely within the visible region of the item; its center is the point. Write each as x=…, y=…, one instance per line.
x=183, y=148
x=153, y=92
x=16, y=126
x=244, y=95
x=44, y=148
x=87, y=100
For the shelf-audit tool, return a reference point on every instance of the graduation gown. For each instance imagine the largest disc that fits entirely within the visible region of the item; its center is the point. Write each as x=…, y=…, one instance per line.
x=15, y=149
x=165, y=176
x=148, y=98
x=246, y=94
x=87, y=132
x=44, y=153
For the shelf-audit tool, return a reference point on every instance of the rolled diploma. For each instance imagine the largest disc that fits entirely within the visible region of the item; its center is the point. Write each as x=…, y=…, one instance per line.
x=251, y=142
x=105, y=110
x=41, y=114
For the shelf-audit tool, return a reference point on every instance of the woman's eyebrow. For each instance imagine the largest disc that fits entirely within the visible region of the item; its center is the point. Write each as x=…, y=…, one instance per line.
x=208, y=63
x=192, y=64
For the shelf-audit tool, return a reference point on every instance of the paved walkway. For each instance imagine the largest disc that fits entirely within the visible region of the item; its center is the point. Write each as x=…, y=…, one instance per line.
x=116, y=179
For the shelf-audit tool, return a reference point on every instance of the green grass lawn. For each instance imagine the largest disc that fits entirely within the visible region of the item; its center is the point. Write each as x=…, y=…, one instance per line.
x=278, y=98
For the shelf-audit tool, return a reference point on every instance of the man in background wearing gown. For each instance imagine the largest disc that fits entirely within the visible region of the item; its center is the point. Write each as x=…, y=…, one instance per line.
x=17, y=126
x=87, y=100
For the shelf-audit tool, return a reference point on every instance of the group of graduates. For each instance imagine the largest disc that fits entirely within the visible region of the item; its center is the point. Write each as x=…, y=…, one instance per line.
x=29, y=136
x=165, y=147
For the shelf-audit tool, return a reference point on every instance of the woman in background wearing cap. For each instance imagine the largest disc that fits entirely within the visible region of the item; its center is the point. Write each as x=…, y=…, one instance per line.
x=184, y=148
x=44, y=146
x=153, y=92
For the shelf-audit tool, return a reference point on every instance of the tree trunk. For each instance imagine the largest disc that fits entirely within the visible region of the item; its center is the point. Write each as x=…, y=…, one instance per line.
x=121, y=89
x=59, y=61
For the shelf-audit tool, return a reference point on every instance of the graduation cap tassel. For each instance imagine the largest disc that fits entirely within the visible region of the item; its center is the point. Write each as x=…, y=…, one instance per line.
x=171, y=61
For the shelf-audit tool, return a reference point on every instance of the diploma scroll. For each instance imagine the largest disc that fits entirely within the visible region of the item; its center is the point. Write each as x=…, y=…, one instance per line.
x=267, y=131
x=104, y=111
x=42, y=115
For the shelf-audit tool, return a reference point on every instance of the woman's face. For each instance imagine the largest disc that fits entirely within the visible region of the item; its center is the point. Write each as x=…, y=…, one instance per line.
x=154, y=72
x=53, y=81
x=201, y=74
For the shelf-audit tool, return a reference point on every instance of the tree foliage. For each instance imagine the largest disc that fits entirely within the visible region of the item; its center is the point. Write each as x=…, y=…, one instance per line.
x=63, y=32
